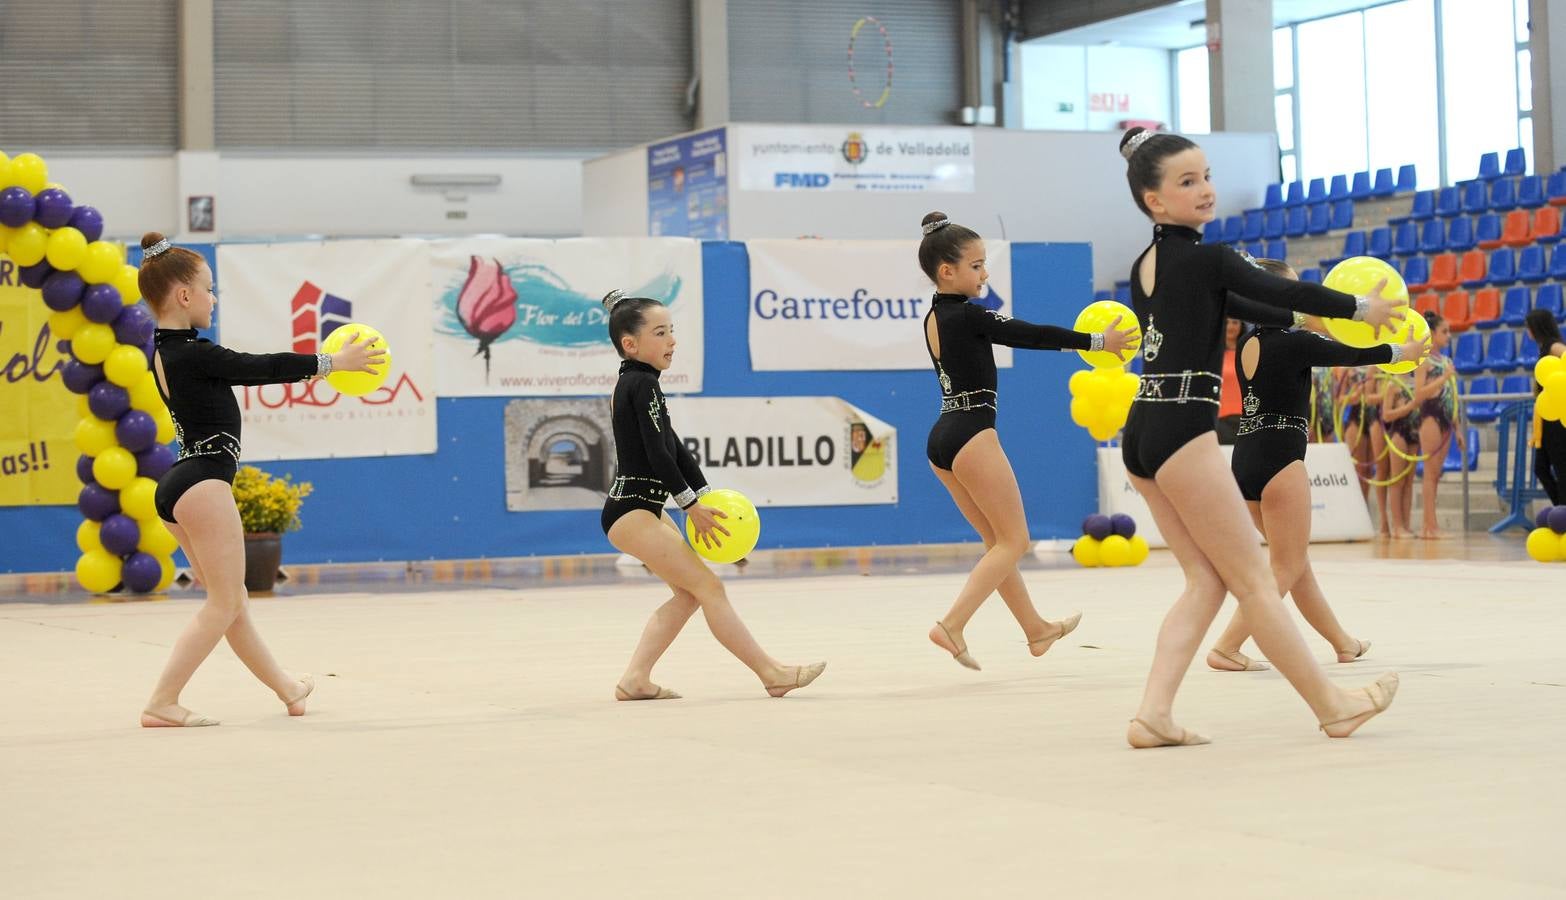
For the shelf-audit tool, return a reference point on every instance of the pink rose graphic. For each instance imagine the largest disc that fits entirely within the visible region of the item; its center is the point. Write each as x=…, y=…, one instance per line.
x=487, y=304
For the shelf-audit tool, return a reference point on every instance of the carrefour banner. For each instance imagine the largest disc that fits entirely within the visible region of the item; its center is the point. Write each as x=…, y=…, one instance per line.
x=851, y=305
x=38, y=415
x=524, y=317
x=840, y=158
x=276, y=297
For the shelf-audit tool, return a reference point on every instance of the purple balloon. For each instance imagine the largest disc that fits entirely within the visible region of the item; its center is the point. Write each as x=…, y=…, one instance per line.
x=1542, y=520
x=88, y=221
x=154, y=461
x=147, y=350
x=101, y=303
x=33, y=276
x=108, y=401
x=1097, y=526
x=17, y=206
x=84, y=470
x=134, y=325
x=1123, y=525
x=79, y=377
x=63, y=290
x=141, y=572
x=136, y=431
x=119, y=534
x=97, y=502
x=1558, y=520
x=54, y=208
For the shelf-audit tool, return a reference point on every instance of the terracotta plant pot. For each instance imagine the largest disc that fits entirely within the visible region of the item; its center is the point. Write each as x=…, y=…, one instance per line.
x=263, y=557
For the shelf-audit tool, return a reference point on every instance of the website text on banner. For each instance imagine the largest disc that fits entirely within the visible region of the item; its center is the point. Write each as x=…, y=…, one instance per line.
x=525, y=317
x=837, y=158
x=291, y=296
x=1337, y=511
x=688, y=187
x=851, y=305
x=38, y=422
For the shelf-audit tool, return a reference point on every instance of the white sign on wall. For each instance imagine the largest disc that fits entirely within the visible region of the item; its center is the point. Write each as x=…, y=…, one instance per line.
x=843, y=158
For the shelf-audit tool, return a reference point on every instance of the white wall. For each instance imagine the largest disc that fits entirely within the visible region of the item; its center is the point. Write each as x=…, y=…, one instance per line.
x=134, y=193
x=614, y=194
x=1103, y=86
x=1054, y=86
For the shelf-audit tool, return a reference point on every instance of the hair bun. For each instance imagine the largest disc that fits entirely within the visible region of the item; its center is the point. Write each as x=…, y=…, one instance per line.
x=933, y=222
x=612, y=298
x=150, y=238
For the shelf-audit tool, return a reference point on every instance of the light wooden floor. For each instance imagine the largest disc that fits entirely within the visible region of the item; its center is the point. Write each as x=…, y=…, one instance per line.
x=462, y=743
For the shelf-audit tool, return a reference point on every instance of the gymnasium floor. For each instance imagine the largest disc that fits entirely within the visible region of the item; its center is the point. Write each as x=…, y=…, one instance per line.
x=462, y=742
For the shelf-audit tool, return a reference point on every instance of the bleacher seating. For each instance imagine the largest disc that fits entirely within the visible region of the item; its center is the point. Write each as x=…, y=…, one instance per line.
x=1530, y=264
x=1339, y=189
x=1416, y=272
x=1455, y=310
x=1318, y=191
x=1432, y=238
x=1278, y=249
x=1468, y=353
x=1407, y=179
x=1320, y=218
x=1460, y=234
x=1486, y=313
x=1311, y=274
x=1342, y=214
x=1379, y=243
x=1555, y=188
x=1212, y=232
x=1549, y=297
x=1296, y=195
x=1489, y=166
x=1527, y=351
x=1353, y=245
x=1252, y=224
x=1500, y=351
x=1488, y=234
x=1515, y=233
x=1475, y=198
x=1443, y=271
x=1449, y=203
x=1501, y=271
x=1423, y=206
x=1405, y=239
x=1233, y=229
x=1530, y=192
x=1360, y=189
x=1273, y=199
x=1514, y=306
x=1516, y=162
x=1428, y=302
x=1383, y=185
x=1503, y=194
x=1483, y=410
x=1272, y=224
x=1295, y=221
x=1546, y=228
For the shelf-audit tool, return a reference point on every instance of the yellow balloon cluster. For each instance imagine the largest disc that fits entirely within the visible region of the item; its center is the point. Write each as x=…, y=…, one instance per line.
x=1101, y=400
x=94, y=298
x=1551, y=373
x=1546, y=546
x=1113, y=551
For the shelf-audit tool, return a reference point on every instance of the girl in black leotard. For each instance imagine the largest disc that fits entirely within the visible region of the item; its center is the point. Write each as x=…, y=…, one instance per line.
x=196, y=378
x=1179, y=289
x=651, y=463
x=1400, y=417
x=1549, y=437
x=963, y=448
x=1435, y=387
x=1275, y=366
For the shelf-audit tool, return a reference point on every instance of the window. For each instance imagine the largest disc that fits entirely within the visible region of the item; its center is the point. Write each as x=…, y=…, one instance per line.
x=1332, y=137
x=1194, y=109
x=1282, y=59
x=1479, y=56
x=1400, y=80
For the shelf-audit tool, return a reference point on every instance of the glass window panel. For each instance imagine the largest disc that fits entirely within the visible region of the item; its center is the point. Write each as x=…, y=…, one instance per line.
x=1400, y=78
x=1194, y=103
x=1290, y=168
x=1332, y=96
x=1520, y=12
x=1282, y=58
x=1480, y=60
x=1525, y=80
x=1283, y=111
x=1525, y=140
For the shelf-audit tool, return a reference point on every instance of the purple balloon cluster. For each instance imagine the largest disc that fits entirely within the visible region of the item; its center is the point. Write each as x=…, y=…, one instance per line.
x=1553, y=518
x=1099, y=526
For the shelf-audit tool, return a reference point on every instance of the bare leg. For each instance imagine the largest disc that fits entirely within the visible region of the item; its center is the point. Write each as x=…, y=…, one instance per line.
x=1431, y=434
x=1383, y=470
x=1402, y=496
x=662, y=628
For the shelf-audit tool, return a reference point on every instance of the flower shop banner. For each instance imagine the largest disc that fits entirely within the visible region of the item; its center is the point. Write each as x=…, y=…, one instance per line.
x=851, y=305
x=37, y=449
x=517, y=317
x=276, y=297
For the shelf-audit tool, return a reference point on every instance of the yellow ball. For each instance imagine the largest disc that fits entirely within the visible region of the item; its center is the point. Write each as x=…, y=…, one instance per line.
x=741, y=520
x=114, y=468
x=66, y=248
x=144, y=394
x=98, y=571
x=100, y=263
x=357, y=384
x=1547, y=366
x=93, y=343
x=1086, y=551
x=156, y=538
x=29, y=171
x=64, y=325
x=28, y=244
x=138, y=499
x=167, y=564
x=1550, y=406
x=94, y=435
x=128, y=284
x=165, y=423
x=1544, y=545
x=1097, y=317
x=1357, y=275
x=125, y=365
x=87, y=536
x=1416, y=328
x=1115, y=551
x=1139, y=549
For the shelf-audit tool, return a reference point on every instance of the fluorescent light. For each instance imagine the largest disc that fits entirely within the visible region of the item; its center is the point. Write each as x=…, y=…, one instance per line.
x=455, y=180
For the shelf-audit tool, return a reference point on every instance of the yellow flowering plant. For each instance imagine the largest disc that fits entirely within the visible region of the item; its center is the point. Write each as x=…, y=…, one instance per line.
x=268, y=504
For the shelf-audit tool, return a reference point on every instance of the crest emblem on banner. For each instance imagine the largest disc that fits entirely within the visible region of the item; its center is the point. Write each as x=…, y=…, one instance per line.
x=855, y=150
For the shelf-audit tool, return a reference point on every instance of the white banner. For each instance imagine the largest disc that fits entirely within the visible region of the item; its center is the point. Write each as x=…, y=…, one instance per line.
x=291, y=296
x=841, y=158
x=851, y=305
x=1338, y=512
x=521, y=317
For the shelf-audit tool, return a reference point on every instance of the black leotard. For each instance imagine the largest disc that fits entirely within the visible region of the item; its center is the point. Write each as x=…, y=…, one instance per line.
x=650, y=460
x=966, y=369
x=1182, y=337
x=197, y=384
x=1275, y=399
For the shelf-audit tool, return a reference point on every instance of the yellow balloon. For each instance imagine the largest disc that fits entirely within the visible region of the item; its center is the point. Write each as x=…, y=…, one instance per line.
x=5, y=170
x=64, y=325
x=1561, y=552
x=66, y=248
x=29, y=171
x=94, y=435
x=1357, y=275
x=1127, y=384
x=1115, y=551
x=138, y=499
x=1102, y=431
x=98, y=571
x=1095, y=319
x=1550, y=407
x=156, y=538
x=87, y=536
x=93, y=343
x=144, y=394
x=1078, y=381
x=1139, y=549
x=125, y=365
x=1416, y=326
x=167, y=564
x=100, y=263
x=357, y=384
x=1086, y=552
x=743, y=523
x=28, y=244
x=1081, y=412
x=165, y=423
x=128, y=284
x=1547, y=366
x=5, y=230
x=1556, y=383
x=1100, y=387
x=1116, y=413
x=114, y=468
x=1544, y=545
x=83, y=408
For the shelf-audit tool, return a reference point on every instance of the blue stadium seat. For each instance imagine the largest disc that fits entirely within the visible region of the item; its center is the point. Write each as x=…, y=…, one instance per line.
x=1274, y=197
x=1384, y=186
x=1339, y=189
x=1233, y=229
x=1254, y=221
x=1487, y=234
x=1278, y=249
x=1296, y=221
x=1342, y=214
x=1423, y=205
x=1500, y=352
x=1530, y=192
x=1482, y=410
x=1530, y=264
x=1317, y=191
x=1312, y=275
x=1516, y=162
x=1272, y=224
x=1502, y=270
x=1433, y=238
x=1460, y=234
x=1454, y=454
x=1353, y=245
x=1405, y=240
x=1416, y=271
x=1212, y=232
x=1123, y=292
x=1296, y=195
x=1379, y=243
x=1514, y=306
x=1489, y=166
x=1527, y=351
x=1256, y=249
x=1320, y=218
x=1503, y=194
x=1555, y=188
x=1407, y=179
x=1549, y=297
x=1103, y=295
x=1361, y=186
x=1475, y=198
x=1468, y=352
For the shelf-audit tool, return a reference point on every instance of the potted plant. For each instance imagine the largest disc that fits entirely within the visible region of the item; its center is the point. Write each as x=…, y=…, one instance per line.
x=268, y=506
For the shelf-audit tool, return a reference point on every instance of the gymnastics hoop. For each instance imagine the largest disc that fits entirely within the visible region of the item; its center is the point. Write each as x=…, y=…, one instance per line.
x=853, y=82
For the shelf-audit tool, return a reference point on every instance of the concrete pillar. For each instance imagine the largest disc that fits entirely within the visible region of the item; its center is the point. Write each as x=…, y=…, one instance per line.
x=1239, y=42
x=196, y=162
x=710, y=19
x=1547, y=50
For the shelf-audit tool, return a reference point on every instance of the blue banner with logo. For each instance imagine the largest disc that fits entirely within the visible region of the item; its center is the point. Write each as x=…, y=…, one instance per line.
x=688, y=187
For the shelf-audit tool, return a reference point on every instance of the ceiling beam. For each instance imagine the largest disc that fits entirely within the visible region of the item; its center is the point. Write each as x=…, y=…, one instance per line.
x=1045, y=17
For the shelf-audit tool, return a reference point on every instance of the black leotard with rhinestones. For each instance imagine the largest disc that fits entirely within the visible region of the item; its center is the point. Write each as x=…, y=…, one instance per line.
x=651, y=462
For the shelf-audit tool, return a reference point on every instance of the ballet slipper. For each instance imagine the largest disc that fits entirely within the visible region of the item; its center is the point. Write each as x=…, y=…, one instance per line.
x=958, y=651
x=1245, y=663
x=1359, y=649
x=1065, y=627
x=803, y=675
x=657, y=693
x=150, y=719
x=299, y=701
x=1380, y=694
x=1186, y=739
